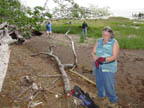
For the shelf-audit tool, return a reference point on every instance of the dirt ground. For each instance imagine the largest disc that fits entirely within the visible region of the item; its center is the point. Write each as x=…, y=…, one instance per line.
x=129, y=78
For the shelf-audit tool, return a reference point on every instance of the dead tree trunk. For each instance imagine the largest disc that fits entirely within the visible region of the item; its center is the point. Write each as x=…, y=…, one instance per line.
x=5, y=41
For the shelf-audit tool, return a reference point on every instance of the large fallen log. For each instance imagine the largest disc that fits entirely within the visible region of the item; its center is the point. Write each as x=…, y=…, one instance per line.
x=5, y=41
x=4, y=60
x=4, y=55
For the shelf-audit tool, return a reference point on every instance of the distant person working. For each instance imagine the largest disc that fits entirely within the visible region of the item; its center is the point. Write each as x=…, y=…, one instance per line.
x=84, y=30
x=49, y=28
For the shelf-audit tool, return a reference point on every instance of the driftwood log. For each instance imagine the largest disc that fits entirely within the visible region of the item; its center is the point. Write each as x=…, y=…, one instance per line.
x=5, y=41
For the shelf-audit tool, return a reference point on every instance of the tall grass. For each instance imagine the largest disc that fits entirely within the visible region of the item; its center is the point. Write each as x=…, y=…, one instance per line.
x=131, y=43
x=128, y=34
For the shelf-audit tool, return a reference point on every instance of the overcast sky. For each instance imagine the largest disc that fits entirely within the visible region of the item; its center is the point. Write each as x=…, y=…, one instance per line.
x=118, y=7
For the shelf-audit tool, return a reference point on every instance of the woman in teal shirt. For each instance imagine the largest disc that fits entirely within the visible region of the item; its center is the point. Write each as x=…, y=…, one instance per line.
x=104, y=54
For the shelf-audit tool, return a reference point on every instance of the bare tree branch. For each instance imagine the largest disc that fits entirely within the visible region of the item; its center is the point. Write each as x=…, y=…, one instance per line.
x=73, y=48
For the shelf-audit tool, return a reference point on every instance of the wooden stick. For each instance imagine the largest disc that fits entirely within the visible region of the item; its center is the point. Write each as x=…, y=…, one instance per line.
x=50, y=75
x=55, y=81
x=32, y=98
x=83, y=77
x=23, y=92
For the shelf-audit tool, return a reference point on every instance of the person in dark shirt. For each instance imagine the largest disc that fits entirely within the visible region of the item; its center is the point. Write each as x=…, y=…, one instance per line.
x=84, y=30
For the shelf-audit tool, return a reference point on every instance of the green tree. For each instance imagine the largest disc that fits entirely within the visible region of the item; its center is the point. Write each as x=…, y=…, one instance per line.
x=23, y=17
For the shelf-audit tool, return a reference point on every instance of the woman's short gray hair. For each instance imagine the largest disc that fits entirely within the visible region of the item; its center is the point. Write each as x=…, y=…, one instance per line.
x=109, y=29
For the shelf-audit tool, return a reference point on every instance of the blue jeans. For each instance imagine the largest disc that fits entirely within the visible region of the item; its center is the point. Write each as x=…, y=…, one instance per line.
x=84, y=33
x=105, y=82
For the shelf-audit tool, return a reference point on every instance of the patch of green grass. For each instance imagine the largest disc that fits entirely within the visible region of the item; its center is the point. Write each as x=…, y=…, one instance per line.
x=123, y=28
x=131, y=43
